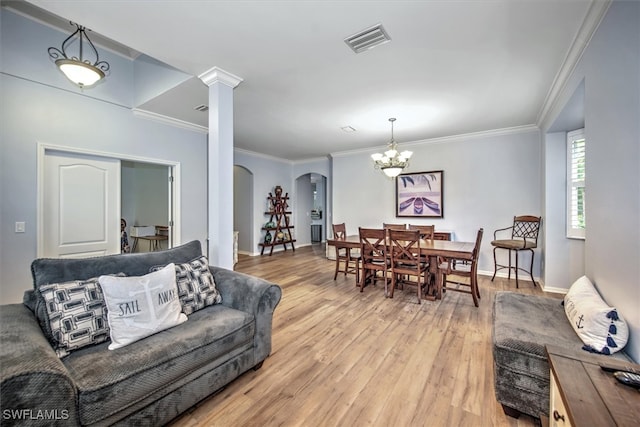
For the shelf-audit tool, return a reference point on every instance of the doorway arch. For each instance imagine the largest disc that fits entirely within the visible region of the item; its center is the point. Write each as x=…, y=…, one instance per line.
x=311, y=207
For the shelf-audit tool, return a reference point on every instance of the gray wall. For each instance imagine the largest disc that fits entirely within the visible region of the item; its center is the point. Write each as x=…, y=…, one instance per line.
x=38, y=105
x=243, y=208
x=488, y=178
x=610, y=72
x=267, y=172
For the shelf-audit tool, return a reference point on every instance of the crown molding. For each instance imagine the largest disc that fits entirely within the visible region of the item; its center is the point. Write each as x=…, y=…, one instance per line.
x=444, y=139
x=169, y=120
x=261, y=155
x=597, y=11
x=218, y=75
x=311, y=160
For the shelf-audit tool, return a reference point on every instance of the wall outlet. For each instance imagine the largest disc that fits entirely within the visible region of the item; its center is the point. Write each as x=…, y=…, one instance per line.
x=20, y=227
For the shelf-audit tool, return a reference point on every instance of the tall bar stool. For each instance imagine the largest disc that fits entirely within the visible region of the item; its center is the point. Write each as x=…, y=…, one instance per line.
x=524, y=237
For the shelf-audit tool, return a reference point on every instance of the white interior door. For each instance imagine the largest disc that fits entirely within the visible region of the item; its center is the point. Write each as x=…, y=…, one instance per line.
x=80, y=208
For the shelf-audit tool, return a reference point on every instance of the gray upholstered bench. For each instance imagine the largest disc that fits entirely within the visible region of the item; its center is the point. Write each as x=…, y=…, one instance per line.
x=522, y=326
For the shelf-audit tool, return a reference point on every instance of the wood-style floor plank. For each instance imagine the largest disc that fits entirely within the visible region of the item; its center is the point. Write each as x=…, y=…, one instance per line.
x=345, y=358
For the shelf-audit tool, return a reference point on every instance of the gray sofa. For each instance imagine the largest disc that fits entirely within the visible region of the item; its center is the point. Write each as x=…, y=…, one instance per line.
x=522, y=326
x=149, y=382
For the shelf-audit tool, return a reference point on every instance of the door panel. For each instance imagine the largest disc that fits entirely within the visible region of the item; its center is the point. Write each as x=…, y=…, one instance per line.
x=81, y=205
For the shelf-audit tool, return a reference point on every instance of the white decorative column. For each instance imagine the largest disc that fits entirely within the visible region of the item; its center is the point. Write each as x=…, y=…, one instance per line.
x=220, y=165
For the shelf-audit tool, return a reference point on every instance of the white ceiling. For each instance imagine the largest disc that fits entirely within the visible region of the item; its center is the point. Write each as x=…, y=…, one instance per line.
x=452, y=67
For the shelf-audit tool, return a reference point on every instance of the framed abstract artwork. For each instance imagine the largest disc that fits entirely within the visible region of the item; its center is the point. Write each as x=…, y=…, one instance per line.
x=420, y=194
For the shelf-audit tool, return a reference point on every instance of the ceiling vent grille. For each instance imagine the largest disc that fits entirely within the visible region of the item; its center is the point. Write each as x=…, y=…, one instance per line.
x=368, y=38
x=201, y=107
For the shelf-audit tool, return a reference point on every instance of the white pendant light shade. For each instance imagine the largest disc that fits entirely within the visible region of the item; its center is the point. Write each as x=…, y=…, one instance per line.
x=392, y=172
x=80, y=73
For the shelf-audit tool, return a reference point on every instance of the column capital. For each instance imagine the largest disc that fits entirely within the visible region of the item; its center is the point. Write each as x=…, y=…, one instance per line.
x=215, y=75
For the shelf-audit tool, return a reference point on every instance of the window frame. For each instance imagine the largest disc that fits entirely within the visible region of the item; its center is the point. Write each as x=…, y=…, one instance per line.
x=573, y=183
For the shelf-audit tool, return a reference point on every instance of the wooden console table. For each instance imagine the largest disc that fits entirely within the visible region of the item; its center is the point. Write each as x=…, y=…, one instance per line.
x=582, y=394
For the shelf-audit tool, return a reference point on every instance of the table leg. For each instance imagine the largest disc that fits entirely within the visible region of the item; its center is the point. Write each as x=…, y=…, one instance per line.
x=432, y=287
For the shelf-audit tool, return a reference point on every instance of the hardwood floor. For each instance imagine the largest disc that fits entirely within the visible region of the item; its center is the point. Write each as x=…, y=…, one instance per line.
x=345, y=358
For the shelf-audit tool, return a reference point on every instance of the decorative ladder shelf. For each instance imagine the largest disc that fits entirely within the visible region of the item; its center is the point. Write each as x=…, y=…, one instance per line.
x=278, y=223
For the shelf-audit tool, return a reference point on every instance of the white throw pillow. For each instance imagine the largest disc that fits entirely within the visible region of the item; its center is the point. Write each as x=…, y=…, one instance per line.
x=599, y=326
x=141, y=306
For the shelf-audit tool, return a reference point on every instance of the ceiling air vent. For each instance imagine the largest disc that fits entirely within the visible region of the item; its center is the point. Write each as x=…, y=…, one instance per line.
x=201, y=107
x=368, y=38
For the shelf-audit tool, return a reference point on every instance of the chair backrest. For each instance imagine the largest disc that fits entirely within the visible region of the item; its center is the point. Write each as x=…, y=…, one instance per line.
x=373, y=245
x=476, y=248
x=339, y=231
x=404, y=246
x=476, y=254
x=427, y=232
x=388, y=226
x=527, y=227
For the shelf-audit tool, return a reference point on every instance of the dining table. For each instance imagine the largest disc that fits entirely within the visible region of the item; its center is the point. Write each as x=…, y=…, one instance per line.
x=429, y=248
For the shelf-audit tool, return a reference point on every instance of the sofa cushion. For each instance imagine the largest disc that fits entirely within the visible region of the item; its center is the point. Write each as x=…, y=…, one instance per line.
x=196, y=287
x=597, y=324
x=48, y=270
x=140, y=306
x=113, y=381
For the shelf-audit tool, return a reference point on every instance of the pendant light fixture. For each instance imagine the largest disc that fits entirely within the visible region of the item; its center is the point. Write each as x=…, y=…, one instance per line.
x=78, y=69
x=392, y=162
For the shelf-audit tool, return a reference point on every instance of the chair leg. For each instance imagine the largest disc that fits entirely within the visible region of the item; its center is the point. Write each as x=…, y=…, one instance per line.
x=337, y=265
x=347, y=260
x=531, y=269
x=495, y=264
x=474, y=289
x=389, y=294
x=516, y=267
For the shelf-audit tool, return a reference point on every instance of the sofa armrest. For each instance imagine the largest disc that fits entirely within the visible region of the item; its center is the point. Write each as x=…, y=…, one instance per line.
x=35, y=386
x=252, y=295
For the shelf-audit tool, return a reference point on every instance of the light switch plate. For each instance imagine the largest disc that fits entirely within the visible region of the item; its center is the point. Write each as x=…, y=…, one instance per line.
x=20, y=227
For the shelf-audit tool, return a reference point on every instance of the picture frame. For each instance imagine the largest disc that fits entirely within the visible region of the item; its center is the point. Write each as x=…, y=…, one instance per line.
x=420, y=195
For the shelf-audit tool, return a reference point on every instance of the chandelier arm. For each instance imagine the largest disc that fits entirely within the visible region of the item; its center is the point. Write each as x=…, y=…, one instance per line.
x=95, y=51
x=68, y=40
x=55, y=53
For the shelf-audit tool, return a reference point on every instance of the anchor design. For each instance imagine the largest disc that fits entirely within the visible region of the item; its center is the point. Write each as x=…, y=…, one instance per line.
x=579, y=324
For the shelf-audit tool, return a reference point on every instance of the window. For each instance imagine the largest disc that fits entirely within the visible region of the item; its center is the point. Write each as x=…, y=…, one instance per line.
x=576, y=220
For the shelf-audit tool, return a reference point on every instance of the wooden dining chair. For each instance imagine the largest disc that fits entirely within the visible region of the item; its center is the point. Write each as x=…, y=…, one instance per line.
x=408, y=267
x=373, y=252
x=427, y=232
x=448, y=266
x=348, y=257
x=388, y=226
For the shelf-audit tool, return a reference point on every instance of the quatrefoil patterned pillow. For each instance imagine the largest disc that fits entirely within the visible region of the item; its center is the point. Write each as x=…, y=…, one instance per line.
x=196, y=287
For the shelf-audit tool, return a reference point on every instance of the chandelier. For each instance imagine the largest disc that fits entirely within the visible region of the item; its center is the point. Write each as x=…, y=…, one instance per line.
x=391, y=162
x=79, y=70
